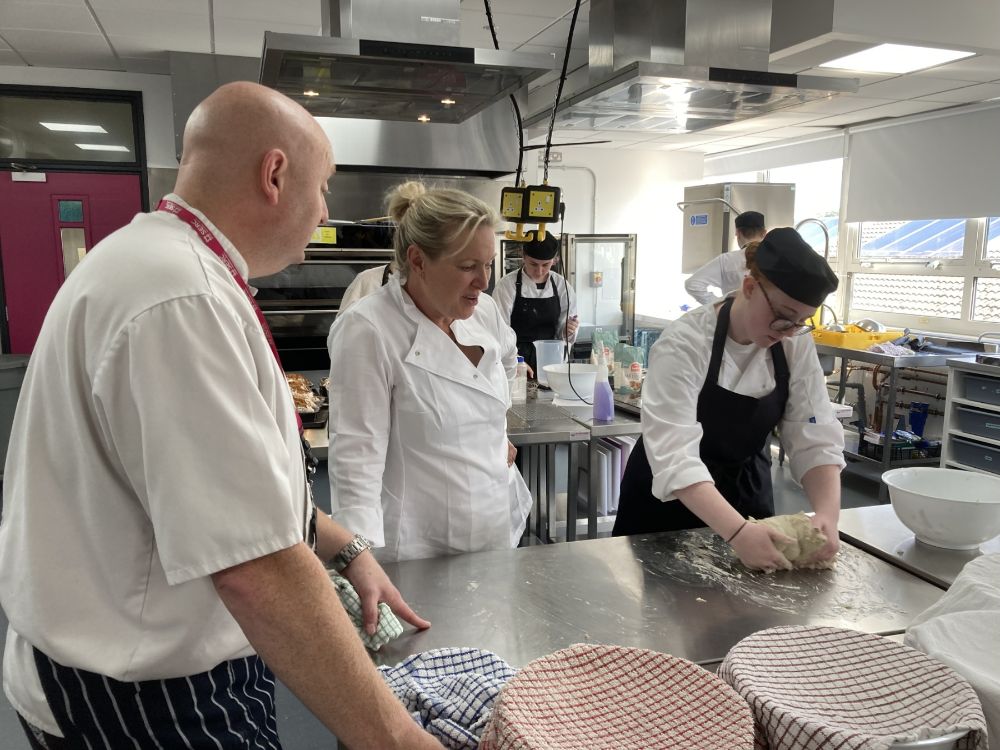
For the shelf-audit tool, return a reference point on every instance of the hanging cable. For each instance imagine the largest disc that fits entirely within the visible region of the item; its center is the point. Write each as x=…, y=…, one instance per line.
x=513, y=102
x=562, y=80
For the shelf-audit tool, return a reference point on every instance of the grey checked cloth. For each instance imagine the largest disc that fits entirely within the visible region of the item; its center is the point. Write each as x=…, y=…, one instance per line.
x=388, y=627
x=450, y=692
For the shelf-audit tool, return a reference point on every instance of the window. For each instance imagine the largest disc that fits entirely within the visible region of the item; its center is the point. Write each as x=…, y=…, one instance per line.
x=938, y=275
x=993, y=240
x=907, y=241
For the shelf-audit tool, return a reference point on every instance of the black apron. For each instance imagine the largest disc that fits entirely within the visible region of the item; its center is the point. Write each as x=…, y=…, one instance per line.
x=534, y=319
x=385, y=275
x=733, y=447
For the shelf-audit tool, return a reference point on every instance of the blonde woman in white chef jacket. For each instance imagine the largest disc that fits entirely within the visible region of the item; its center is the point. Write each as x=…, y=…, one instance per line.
x=419, y=459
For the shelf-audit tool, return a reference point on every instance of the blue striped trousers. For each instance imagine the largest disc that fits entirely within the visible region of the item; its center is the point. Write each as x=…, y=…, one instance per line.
x=229, y=707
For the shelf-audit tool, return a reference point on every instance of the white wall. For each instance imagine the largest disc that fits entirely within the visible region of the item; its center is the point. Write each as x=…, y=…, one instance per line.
x=633, y=192
x=157, y=105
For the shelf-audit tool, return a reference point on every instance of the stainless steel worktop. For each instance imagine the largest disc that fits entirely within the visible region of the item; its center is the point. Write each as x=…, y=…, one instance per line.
x=680, y=592
x=888, y=360
x=877, y=530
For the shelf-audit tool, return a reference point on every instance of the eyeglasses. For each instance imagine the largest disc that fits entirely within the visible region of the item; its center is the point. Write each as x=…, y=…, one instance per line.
x=781, y=324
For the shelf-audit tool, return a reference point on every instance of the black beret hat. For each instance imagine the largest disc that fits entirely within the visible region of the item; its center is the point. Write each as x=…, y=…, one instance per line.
x=749, y=220
x=790, y=263
x=544, y=249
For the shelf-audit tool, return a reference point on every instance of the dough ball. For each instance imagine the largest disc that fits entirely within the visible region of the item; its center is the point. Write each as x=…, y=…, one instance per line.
x=806, y=539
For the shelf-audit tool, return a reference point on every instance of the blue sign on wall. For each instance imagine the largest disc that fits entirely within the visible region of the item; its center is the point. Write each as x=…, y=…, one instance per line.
x=699, y=220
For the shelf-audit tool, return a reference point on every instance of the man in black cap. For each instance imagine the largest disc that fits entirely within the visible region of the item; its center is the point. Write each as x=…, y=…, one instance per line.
x=537, y=301
x=720, y=379
x=727, y=271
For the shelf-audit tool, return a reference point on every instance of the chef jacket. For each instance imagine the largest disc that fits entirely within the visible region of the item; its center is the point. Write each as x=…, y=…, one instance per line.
x=724, y=273
x=155, y=444
x=504, y=292
x=418, y=442
x=366, y=282
x=678, y=361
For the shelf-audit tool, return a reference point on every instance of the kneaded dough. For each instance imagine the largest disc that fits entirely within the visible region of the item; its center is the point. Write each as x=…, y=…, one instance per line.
x=806, y=539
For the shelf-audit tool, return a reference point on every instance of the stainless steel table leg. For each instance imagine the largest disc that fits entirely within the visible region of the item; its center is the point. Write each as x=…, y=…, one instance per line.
x=888, y=427
x=594, y=489
x=571, y=492
x=843, y=381
x=550, y=492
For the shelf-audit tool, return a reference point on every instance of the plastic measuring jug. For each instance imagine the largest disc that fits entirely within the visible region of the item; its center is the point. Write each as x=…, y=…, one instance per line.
x=547, y=352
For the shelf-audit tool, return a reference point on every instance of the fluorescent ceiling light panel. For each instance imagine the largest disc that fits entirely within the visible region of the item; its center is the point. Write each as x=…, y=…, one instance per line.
x=896, y=58
x=73, y=127
x=100, y=147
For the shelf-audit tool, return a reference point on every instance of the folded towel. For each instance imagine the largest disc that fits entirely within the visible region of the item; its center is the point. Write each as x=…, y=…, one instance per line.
x=388, y=627
x=450, y=691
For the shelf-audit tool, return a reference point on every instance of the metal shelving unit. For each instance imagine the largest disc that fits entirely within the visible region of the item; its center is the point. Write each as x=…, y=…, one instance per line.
x=960, y=389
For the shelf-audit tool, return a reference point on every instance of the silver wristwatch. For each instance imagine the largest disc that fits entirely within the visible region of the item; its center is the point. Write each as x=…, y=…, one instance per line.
x=351, y=550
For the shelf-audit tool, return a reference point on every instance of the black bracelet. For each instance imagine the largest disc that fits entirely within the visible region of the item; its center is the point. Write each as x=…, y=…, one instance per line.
x=737, y=532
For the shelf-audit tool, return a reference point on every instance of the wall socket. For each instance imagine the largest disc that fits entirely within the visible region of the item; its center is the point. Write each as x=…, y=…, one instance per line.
x=555, y=157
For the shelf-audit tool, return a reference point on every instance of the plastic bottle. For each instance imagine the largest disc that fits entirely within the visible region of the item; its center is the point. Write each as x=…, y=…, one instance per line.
x=604, y=399
x=519, y=392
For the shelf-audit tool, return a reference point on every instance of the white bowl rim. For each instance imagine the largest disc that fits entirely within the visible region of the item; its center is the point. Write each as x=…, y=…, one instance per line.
x=563, y=367
x=890, y=476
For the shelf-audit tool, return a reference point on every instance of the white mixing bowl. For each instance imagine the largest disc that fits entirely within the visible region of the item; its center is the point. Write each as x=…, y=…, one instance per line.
x=584, y=377
x=947, y=508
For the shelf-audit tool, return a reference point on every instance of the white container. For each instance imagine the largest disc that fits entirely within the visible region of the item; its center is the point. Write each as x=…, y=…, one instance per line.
x=519, y=391
x=583, y=377
x=547, y=352
x=947, y=508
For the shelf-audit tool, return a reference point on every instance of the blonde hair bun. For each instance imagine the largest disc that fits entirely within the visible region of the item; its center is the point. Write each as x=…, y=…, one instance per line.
x=402, y=197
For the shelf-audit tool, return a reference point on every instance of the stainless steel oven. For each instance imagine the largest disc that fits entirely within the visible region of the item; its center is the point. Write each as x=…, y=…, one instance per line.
x=301, y=302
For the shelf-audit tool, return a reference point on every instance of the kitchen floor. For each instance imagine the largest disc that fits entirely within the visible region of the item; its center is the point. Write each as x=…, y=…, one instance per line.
x=300, y=730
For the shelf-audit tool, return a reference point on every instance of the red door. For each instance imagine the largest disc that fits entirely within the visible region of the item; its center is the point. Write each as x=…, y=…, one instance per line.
x=45, y=228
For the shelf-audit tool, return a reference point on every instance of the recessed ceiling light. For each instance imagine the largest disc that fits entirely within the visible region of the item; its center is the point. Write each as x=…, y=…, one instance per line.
x=73, y=127
x=896, y=58
x=310, y=92
x=100, y=147
x=447, y=102
x=424, y=118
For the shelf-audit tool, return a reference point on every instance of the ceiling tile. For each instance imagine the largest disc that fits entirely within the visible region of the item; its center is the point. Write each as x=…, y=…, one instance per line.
x=299, y=12
x=794, y=131
x=9, y=57
x=908, y=87
x=893, y=109
x=113, y=7
x=47, y=16
x=32, y=43
x=235, y=36
x=977, y=92
x=979, y=68
x=838, y=105
x=165, y=26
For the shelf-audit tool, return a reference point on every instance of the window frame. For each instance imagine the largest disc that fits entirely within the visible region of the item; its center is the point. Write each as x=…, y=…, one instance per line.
x=972, y=265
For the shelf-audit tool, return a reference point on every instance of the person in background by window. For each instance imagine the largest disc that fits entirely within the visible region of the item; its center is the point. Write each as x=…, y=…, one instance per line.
x=726, y=272
x=160, y=554
x=720, y=379
x=419, y=459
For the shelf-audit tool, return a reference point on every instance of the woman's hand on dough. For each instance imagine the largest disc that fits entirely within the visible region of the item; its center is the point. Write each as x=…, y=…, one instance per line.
x=754, y=545
x=828, y=526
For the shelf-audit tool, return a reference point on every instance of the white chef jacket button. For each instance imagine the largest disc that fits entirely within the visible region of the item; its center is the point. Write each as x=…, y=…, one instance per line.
x=417, y=353
x=475, y=376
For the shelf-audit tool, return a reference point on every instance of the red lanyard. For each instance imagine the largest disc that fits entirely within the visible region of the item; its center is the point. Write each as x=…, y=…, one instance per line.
x=213, y=244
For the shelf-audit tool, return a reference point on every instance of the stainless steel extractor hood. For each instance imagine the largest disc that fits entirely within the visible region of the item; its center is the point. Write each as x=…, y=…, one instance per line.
x=680, y=66
x=394, y=60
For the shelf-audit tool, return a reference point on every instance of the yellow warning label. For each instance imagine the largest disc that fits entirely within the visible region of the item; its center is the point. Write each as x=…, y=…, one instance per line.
x=325, y=235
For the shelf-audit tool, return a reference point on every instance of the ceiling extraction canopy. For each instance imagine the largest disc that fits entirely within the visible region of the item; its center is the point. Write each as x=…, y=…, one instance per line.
x=675, y=99
x=401, y=81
